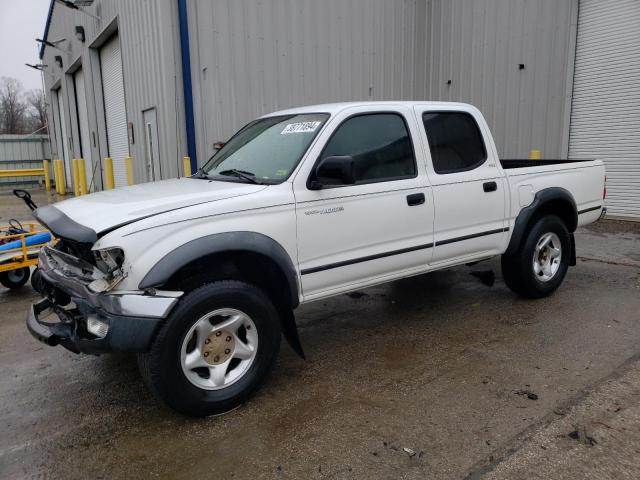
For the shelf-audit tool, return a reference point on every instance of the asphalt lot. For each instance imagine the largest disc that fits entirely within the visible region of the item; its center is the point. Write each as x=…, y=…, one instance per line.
x=440, y=364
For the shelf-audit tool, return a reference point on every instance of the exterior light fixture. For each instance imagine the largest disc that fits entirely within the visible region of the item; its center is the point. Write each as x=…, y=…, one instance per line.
x=77, y=6
x=39, y=66
x=80, y=33
x=58, y=60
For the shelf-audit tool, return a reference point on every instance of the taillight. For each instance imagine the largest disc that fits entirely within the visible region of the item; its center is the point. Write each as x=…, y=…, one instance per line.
x=604, y=192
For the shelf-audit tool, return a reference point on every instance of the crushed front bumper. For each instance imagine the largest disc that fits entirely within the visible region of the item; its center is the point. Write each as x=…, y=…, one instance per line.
x=124, y=334
x=128, y=319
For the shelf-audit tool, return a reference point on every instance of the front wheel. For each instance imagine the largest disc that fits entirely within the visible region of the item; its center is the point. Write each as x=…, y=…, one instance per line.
x=214, y=350
x=539, y=267
x=15, y=278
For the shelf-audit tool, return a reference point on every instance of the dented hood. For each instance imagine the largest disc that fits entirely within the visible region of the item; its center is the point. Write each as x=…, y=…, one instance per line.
x=106, y=210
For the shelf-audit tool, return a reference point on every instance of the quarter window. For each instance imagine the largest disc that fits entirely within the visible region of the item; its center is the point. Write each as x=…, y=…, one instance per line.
x=379, y=144
x=455, y=141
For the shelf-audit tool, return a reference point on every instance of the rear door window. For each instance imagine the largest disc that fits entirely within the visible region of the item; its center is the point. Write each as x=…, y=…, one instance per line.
x=455, y=141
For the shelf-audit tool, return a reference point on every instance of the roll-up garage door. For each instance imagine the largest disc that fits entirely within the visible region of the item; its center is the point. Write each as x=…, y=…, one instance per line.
x=83, y=125
x=114, y=107
x=605, y=114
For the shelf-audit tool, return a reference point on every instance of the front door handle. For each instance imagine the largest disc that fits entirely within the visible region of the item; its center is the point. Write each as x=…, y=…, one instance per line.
x=490, y=186
x=415, y=199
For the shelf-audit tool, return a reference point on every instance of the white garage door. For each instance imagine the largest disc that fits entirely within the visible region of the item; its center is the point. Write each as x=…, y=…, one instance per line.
x=605, y=115
x=83, y=126
x=114, y=107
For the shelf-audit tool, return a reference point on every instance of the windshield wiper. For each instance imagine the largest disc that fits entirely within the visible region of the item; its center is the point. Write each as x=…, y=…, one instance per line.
x=200, y=174
x=241, y=174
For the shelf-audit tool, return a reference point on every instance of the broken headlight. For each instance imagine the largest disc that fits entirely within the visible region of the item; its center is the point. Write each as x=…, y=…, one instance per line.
x=109, y=260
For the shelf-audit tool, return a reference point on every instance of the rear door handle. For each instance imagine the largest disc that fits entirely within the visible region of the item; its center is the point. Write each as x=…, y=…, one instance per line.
x=490, y=186
x=415, y=199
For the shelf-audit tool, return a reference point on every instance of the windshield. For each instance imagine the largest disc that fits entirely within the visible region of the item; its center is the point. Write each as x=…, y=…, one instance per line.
x=267, y=150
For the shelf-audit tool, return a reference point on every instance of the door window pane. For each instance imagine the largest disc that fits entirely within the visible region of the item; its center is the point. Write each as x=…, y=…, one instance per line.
x=454, y=140
x=379, y=144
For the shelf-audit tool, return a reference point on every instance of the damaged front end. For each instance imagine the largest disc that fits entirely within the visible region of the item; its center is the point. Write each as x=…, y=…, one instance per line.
x=79, y=287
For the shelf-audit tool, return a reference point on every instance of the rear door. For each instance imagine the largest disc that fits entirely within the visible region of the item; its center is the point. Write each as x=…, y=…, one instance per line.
x=469, y=188
x=350, y=235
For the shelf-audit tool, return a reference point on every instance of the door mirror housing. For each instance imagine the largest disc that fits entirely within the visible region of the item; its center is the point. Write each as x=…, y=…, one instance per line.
x=333, y=170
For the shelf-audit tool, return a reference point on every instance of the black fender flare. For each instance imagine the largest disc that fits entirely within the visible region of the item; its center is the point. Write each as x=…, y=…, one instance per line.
x=542, y=198
x=234, y=242
x=218, y=243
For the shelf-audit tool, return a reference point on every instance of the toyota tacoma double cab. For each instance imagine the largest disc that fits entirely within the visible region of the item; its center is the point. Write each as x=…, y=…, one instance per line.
x=200, y=276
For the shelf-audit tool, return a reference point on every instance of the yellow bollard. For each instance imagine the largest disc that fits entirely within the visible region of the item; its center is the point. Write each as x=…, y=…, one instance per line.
x=47, y=177
x=63, y=178
x=82, y=176
x=535, y=155
x=128, y=163
x=109, y=182
x=58, y=173
x=55, y=174
x=76, y=180
x=187, y=166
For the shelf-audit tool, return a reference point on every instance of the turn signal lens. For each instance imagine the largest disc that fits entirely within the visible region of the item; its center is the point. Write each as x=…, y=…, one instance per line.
x=97, y=327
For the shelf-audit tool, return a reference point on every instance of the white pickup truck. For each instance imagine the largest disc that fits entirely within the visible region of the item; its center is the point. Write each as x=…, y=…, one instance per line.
x=201, y=275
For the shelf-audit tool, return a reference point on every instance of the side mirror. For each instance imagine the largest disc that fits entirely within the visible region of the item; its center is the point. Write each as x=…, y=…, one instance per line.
x=334, y=170
x=218, y=145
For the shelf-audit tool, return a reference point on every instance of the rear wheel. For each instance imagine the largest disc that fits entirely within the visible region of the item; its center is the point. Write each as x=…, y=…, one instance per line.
x=539, y=267
x=215, y=349
x=15, y=278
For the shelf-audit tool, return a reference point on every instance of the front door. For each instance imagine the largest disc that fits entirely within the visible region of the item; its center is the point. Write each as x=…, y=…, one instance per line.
x=368, y=232
x=469, y=188
x=151, y=145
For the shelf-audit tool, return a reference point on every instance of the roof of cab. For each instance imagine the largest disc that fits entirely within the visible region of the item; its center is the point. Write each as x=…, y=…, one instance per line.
x=333, y=108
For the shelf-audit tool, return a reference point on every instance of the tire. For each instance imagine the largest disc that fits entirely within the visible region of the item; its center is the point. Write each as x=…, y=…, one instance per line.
x=540, y=275
x=201, y=387
x=15, y=278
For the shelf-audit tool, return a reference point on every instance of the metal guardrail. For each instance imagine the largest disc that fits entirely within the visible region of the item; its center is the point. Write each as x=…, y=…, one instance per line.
x=17, y=173
x=22, y=172
x=78, y=173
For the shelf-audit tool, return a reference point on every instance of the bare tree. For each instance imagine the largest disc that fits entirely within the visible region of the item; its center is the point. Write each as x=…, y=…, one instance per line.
x=12, y=106
x=37, y=115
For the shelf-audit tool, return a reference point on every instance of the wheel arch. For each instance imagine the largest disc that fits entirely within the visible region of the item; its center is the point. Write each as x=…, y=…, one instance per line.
x=553, y=200
x=247, y=256
x=227, y=248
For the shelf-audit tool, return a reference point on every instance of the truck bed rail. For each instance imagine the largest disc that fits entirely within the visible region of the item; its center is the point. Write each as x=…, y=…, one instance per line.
x=508, y=163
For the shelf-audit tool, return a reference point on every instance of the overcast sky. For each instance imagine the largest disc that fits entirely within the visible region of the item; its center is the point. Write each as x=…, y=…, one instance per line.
x=21, y=22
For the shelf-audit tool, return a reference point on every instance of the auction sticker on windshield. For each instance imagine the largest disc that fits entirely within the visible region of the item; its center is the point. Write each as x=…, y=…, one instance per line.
x=300, y=127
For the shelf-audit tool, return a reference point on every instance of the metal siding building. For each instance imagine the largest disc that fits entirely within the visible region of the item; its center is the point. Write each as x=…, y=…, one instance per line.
x=514, y=59
x=605, y=117
x=473, y=51
x=251, y=58
x=147, y=35
x=22, y=151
